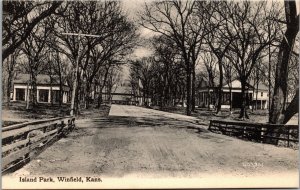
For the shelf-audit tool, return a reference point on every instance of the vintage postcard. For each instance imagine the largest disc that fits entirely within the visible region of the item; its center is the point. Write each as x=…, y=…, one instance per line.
x=150, y=94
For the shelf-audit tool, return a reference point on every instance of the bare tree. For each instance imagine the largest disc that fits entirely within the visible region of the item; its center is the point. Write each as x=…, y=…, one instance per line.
x=34, y=48
x=166, y=70
x=9, y=69
x=171, y=19
x=142, y=71
x=218, y=43
x=60, y=68
x=100, y=81
x=256, y=76
x=229, y=75
x=110, y=34
x=247, y=21
x=210, y=63
x=20, y=19
x=115, y=48
x=113, y=82
x=278, y=114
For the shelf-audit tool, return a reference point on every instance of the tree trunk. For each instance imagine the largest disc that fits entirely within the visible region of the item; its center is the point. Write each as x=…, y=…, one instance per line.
x=74, y=89
x=60, y=91
x=280, y=89
x=230, y=99
x=28, y=95
x=51, y=91
x=78, y=95
x=219, y=104
x=193, y=88
x=161, y=100
x=183, y=96
x=9, y=78
x=144, y=96
x=208, y=99
x=269, y=78
x=256, y=94
x=292, y=109
x=99, y=100
x=34, y=89
x=9, y=84
x=87, y=95
x=188, y=95
x=243, y=112
x=60, y=82
x=95, y=91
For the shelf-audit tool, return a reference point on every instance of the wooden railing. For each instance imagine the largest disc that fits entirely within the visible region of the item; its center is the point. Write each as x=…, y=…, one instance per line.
x=286, y=135
x=21, y=140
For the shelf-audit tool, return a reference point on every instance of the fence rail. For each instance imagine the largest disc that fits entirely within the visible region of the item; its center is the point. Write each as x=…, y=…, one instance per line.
x=286, y=135
x=19, y=141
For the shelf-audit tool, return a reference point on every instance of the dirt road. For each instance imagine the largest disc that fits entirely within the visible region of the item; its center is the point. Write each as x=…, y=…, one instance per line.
x=141, y=142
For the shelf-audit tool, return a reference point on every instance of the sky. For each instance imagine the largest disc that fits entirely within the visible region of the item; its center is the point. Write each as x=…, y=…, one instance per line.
x=132, y=8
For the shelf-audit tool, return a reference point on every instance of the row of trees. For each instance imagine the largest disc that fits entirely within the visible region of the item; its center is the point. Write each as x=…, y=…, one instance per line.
x=227, y=40
x=161, y=77
x=79, y=43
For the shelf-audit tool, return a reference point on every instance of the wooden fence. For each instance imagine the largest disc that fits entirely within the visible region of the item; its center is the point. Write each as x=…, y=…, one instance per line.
x=21, y=141
x=286, y=135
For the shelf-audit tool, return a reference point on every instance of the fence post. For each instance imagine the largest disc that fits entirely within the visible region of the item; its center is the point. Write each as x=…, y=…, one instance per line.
x=227, y=131
x=260, y=133
x=60, y=127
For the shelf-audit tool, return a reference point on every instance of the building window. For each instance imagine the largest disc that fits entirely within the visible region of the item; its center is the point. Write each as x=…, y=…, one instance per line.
x=43, y=95
x=20, y=94
x=261, y=94
x=225, y=98
x=55, y=96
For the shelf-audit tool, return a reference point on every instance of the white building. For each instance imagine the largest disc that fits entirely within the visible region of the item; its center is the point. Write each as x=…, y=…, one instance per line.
x=206, y=96
x=45, y=90
x=262, y=97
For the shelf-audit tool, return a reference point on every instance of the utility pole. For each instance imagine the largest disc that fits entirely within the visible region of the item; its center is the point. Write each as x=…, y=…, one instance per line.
x=75, y=84
x=72, y=112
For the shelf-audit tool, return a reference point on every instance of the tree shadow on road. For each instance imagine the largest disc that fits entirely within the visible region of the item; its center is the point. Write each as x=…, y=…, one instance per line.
x=125, y=121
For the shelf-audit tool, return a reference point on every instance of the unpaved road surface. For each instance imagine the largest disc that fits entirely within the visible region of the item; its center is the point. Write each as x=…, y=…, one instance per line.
x=140, y=142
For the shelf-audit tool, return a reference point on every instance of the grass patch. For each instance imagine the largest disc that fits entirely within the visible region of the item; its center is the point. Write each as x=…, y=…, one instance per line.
x=205, y=115
x=94, y=112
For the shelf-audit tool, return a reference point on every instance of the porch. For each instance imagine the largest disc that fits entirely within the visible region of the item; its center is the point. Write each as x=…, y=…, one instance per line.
x=45, y=94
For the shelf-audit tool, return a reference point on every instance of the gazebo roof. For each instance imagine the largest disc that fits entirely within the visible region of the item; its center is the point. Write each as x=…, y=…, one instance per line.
x=237, y=84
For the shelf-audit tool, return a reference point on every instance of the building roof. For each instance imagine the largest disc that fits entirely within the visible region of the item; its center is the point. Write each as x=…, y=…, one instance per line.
x=236, y=84
x=123, y=90
x=40, y=79
x=261, y=86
